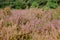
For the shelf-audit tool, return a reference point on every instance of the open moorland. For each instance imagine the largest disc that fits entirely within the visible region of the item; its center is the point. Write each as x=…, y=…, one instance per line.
x=30, y=24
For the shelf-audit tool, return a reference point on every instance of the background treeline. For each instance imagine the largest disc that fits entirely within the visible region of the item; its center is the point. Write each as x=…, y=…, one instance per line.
x=22, y=4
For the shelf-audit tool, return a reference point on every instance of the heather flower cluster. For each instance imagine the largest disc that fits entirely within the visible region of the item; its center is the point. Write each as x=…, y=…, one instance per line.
x=30, y=24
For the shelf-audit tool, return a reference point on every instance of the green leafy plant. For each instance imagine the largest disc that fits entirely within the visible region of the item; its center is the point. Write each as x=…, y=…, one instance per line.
x=52, y=3
x=34, y=4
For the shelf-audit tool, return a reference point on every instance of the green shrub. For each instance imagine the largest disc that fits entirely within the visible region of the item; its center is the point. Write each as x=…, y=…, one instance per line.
x=22, y=4
x=52, y=3
x=34, y=4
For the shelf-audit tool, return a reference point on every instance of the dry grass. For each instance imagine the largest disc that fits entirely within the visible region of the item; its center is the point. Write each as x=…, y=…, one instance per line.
x=30, y=24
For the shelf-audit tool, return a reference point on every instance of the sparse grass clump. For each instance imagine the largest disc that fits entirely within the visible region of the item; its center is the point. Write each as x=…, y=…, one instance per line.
x=7, y=11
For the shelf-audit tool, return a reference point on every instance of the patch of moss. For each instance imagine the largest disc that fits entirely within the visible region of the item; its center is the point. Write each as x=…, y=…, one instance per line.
x=8, y=24
x=56, y=16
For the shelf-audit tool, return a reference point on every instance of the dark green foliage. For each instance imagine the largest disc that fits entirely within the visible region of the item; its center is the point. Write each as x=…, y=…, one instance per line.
x=52, y=3
x=22, y=4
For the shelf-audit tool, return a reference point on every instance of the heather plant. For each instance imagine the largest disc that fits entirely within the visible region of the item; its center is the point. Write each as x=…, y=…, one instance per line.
x=30, y=24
